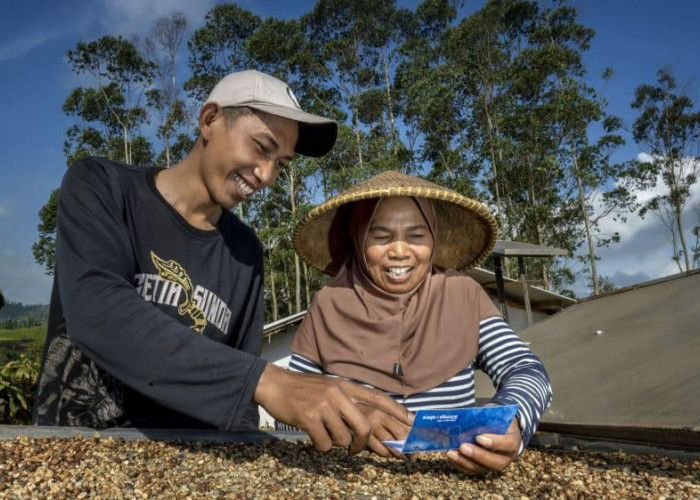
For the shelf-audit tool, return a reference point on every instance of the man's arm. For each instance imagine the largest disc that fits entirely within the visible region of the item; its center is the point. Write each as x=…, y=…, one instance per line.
x=384, y=426
x=326, y=408
x=250, y=336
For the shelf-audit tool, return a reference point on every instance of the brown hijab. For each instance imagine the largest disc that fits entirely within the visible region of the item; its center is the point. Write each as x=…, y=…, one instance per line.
x=401, y=343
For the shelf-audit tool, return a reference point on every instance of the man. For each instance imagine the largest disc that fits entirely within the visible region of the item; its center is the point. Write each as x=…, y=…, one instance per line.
x=156, y=312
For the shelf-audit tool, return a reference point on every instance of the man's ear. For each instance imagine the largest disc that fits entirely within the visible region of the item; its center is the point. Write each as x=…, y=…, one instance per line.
x=209, y=113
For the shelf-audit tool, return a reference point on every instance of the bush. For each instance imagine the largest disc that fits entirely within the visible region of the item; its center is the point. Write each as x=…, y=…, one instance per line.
x=18, y=380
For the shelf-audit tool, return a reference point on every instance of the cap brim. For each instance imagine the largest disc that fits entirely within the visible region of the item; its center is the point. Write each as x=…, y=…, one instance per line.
x=317, y=135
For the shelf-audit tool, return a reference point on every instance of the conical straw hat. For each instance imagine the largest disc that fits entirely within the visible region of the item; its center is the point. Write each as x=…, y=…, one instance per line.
x=466, y=230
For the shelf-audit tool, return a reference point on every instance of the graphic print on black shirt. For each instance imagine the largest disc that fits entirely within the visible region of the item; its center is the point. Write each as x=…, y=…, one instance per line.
x=172, y=286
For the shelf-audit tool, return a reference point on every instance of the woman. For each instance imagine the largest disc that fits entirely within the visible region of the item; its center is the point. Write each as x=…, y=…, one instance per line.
x=398, y=318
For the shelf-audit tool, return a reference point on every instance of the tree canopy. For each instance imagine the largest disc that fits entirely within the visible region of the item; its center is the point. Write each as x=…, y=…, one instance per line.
x=495, y=105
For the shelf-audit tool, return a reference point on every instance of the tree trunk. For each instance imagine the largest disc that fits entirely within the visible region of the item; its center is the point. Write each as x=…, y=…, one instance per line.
x=586, y=222
x=307, y=286
x=166, y=140
x=126, y=147
x=494, y=169
x=679, y=222
x=297, y=266
x=286, y=287
x=356, y=129
x=538, y=231
x=271, y=269
x=273, y=292
x=394, y=139
x=355, y=120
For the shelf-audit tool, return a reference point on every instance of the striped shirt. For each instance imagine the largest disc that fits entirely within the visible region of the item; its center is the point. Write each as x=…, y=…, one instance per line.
x=516, y=372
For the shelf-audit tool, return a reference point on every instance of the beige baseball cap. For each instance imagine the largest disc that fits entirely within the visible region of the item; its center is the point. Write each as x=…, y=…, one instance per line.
x=266, y=93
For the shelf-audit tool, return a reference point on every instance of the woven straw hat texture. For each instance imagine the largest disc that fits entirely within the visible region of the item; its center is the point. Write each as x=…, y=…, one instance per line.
x=466, y=230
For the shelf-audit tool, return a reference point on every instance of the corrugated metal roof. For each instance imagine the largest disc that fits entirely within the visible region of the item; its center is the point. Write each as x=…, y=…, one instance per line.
x=631, y=357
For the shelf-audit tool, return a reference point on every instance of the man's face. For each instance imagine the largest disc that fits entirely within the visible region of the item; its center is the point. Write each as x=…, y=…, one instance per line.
x=247, y=156
x=398, y=246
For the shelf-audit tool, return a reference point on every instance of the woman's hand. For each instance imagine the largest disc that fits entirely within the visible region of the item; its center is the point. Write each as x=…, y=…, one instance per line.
x=494, y=452
x=384, y=428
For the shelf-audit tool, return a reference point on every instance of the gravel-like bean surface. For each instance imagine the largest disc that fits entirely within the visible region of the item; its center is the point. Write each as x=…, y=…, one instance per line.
x=114, y=469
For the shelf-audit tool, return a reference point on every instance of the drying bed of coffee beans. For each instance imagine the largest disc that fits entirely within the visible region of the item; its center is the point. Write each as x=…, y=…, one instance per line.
x=109, y=468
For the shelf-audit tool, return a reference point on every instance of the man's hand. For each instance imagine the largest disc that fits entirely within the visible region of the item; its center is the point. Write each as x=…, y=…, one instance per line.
x=326, y=408
x=495, y=452
x=385, y=427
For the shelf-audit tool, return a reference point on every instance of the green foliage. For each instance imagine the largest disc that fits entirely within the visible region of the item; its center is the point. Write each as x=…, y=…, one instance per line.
x=18, y=380
x=219, y=47
x=494, y=105
x=20, y=357
x=44, y=249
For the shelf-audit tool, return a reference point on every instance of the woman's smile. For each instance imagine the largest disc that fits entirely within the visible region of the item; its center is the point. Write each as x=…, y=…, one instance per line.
x=398, y=274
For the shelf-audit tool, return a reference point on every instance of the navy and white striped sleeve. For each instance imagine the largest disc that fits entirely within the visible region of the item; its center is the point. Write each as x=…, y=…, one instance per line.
x=299, y=363
x=516, y=372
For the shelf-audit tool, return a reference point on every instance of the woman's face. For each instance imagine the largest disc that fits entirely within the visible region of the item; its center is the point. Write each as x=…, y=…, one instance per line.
x=398, y=246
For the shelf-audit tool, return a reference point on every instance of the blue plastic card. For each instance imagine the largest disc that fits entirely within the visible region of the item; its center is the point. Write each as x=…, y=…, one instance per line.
x=439, y=430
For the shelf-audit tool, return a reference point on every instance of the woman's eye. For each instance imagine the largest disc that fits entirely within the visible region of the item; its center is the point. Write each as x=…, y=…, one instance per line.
x=381, y=237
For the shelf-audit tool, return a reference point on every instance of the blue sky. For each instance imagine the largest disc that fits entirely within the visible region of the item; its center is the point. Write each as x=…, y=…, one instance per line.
x=635, y=38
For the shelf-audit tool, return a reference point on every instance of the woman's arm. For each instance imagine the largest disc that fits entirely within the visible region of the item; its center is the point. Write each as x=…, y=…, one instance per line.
x=300, y=364
x=520, y=379
x=517, y=373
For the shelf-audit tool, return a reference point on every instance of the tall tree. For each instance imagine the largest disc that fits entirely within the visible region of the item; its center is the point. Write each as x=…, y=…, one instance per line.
x=44, y=249
x=479, y=54
x=162, y=47
x=107, y=119
x=122, y=76
x=424, y=95
x=587, y=163
x=352, y=47
x=669, y=130
x=219, y=47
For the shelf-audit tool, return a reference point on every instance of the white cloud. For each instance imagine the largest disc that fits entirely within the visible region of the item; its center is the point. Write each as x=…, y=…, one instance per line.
x=23, y=45
x=22, y=280
x=644, y=157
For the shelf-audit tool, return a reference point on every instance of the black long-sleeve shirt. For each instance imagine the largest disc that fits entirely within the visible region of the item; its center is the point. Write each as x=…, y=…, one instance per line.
x=153, y=322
